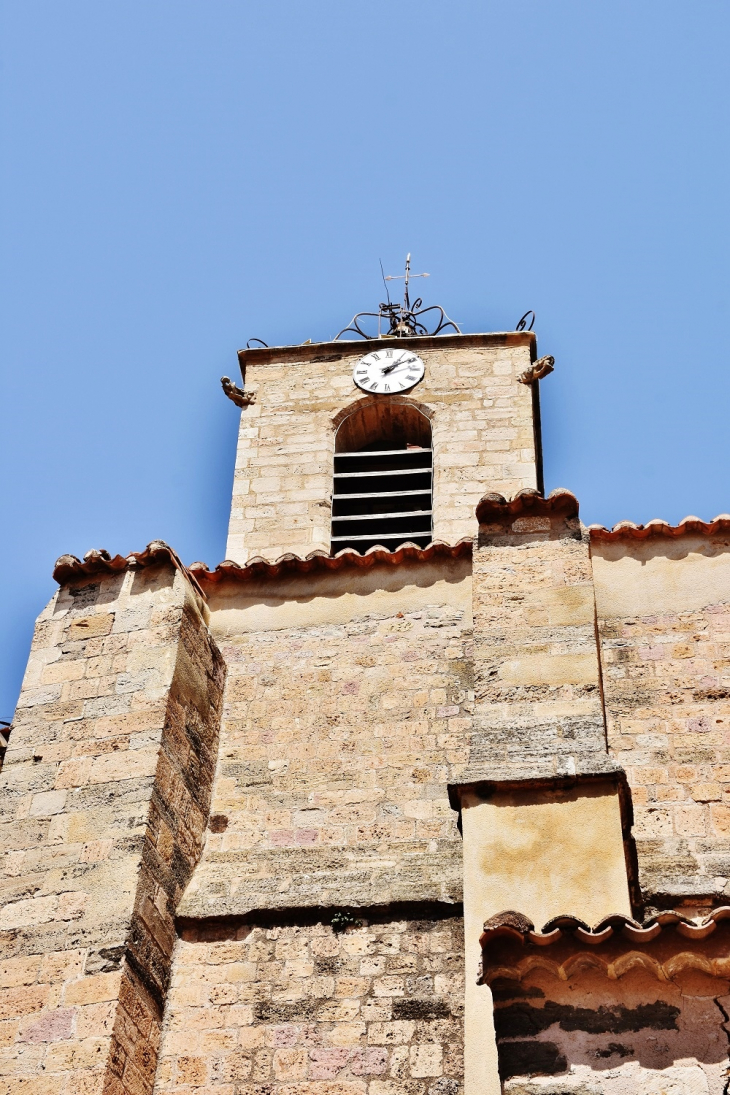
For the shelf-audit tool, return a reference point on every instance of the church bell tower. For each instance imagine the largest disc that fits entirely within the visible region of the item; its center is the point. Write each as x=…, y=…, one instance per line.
x=354, y=443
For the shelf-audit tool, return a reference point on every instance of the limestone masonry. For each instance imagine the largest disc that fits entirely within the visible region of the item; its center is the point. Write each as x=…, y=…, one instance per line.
x=448, y=815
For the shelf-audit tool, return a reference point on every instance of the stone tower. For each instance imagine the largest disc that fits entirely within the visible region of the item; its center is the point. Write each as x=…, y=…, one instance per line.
x=421, y=791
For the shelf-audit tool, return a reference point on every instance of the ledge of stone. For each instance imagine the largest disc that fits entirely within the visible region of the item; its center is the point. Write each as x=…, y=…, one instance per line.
x=237, y=883
x=336, y=349
x=554, y=772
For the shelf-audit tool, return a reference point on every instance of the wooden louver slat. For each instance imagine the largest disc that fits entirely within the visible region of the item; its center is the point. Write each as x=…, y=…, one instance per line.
x=382, y=497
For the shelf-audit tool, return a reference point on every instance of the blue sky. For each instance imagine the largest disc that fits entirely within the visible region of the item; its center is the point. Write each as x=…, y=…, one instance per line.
x=179, y=176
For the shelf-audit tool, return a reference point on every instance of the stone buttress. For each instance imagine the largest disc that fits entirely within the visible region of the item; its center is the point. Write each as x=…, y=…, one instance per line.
x=105, y=792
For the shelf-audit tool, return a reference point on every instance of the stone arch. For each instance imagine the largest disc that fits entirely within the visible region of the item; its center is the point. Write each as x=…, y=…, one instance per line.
x=372, y=421
x=383, y=474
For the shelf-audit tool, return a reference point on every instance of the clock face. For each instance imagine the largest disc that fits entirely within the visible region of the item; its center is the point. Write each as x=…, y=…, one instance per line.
x=388, y=371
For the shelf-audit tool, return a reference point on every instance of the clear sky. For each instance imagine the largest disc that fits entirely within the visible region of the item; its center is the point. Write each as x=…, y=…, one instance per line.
x=178, y=176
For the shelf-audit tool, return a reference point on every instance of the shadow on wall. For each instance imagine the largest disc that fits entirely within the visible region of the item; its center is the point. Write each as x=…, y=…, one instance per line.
x=597, y=1036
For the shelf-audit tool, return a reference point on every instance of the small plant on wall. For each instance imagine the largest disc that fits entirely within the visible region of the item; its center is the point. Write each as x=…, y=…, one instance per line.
x=342, y=920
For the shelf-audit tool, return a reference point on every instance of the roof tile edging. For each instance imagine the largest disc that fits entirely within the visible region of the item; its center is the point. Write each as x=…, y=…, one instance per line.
x=515, y=925
x=99, y=561
x=627, y=530
x=494, y=508
x=319, y=560
x=68, y=568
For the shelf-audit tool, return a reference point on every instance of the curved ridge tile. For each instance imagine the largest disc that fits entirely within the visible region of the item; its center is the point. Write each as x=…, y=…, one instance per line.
x=69, y=568
x=628, y=530
x=494, y=508
x=517, y=925
x=259, y=567
x=566, y=922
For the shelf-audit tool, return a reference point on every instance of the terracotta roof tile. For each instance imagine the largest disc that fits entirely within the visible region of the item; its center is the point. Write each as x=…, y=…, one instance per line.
x=664, y=945
x=320, y=560
x=627, y=530
x=514, y=925
x=495, y=509
x=98, y=561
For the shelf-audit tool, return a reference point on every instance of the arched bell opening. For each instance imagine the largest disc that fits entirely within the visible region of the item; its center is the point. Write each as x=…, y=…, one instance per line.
x=383, y=482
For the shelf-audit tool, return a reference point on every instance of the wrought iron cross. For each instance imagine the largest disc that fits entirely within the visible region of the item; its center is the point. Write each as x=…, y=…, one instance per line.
x=407, y=276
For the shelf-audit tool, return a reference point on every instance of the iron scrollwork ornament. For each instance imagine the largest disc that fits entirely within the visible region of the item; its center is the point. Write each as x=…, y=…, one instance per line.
x=402, y=320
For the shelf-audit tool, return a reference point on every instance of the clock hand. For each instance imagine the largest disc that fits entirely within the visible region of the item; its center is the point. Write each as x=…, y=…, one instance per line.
x=400, y=361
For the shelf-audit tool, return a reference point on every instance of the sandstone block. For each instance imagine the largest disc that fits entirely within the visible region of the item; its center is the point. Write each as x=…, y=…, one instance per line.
x=51, y=1026
x=88, y=627
x=426, y=1060
x=93, y=989
x=46, y=803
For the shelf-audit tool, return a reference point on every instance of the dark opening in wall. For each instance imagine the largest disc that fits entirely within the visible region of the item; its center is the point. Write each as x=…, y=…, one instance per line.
x=383, y=480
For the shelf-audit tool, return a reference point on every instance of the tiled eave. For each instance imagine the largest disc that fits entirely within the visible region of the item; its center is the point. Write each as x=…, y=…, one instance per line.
x=515, y=926
x=321, y=561
x=494, y=509
x=98, y=561
x=663, y=945
x=690, y=526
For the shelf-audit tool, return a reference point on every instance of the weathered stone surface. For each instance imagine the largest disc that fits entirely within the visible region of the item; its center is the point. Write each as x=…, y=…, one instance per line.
x=538, y=712
x=103, y=803
x=666, y=674
x=303, y=1009
x=338, y=743
x=355, y=699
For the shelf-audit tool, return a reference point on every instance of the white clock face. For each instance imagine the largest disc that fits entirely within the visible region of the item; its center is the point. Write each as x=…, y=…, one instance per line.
x=388, y=371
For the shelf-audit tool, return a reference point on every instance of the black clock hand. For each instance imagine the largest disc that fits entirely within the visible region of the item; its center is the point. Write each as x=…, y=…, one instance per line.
x=400, y=361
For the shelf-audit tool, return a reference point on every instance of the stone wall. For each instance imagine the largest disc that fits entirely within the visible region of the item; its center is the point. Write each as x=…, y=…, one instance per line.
x=539, y=711
x=483, y=436
x=539, y=799
x=301, y=1010
x=338, y=742
x=103, y=803
x=357, y=700
x=664, y=614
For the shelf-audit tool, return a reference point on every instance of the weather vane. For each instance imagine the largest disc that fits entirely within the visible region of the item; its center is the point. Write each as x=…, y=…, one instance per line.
x=404, y=320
